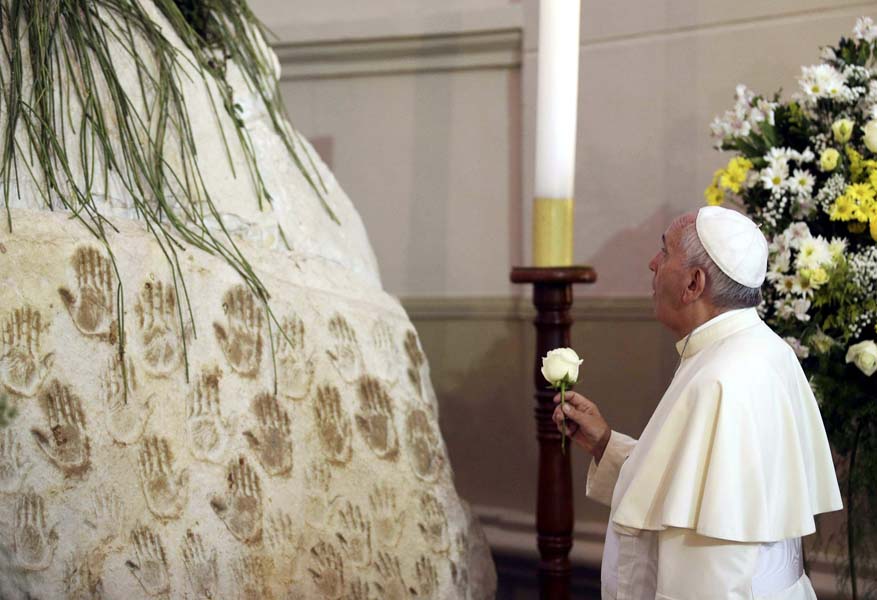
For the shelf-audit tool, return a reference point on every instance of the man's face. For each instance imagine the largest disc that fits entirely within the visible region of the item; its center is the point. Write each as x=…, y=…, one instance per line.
x=670, y=275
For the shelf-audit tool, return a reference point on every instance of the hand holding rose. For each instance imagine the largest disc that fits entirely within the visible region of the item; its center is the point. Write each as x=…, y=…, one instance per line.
x=589, y=430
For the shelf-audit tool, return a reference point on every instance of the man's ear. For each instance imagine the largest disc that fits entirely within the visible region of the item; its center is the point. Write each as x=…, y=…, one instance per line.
x=696, y=286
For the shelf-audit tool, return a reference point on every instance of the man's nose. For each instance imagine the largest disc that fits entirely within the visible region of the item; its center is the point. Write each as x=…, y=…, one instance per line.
x=653, y=264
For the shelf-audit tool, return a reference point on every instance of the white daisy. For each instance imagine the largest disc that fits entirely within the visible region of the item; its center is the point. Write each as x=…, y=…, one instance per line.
x=813, y=253
x=774, y=177
x=802, y=182
x=822, y=81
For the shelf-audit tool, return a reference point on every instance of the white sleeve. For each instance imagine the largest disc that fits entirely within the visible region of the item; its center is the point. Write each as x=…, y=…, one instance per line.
x=695, y=567
x=602, y=476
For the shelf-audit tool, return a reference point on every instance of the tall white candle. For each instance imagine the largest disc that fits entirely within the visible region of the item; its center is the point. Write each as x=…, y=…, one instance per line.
x=557, y=101
x=558, y=86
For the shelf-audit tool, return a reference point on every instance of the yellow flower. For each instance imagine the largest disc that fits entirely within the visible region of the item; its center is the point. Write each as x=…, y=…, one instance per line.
x=842, y=130
x=843, y=209
x=828, y=159
x=733, y=176
x=714, y=196
x=818, y=277
x=857, y=203
x=874, y=236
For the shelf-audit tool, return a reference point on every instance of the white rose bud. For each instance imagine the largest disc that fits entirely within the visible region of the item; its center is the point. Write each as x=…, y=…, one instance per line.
x=864, y=356
x=870, y=137
x=560, y=363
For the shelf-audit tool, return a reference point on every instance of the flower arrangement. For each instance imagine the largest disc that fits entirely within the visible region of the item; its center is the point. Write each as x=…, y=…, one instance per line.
x=806, y=171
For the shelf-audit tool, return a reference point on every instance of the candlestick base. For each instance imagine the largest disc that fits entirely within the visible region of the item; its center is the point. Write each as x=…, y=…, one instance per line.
x=552, y=297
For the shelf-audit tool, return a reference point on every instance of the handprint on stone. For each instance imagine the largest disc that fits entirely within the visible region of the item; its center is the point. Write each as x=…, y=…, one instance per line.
x=295, y=361
x=270, y=440
x=33, y=542
x=92, y=307
x=128, y=408
x=354, y=534
x=149, y=565
x=284, y=542
x=80, y=580
x=427, y=577
x=433, y=523
x=375, y=418
x=416, y=360
x=386, y=518
x=385, y=351
x=424, y=450
x=360, y=589
x=13, y=465
x=249, y=578
x=327, y=570
x=318, y=480
x=241, y=508
x=158, y=328
x=333, y=425
x=201, y=567
x=23, y=366
x=65, y=441
x=208, y=431
x=106, y=515
x=344, y=353
x=391, y=585
x=241, y=338
x=166, y=490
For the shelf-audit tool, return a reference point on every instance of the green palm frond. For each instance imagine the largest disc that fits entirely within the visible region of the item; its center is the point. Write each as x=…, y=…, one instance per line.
x=68, y=123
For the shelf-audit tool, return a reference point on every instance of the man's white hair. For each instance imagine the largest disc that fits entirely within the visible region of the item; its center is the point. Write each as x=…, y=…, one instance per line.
x=722, y=291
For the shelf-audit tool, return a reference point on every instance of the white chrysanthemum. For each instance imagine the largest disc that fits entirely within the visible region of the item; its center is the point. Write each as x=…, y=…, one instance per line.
x=802, y=182
x=865, y=30
x=813, y=253
x=837, y=247
x=823, y=81
x=801, y=351
x=774, y=177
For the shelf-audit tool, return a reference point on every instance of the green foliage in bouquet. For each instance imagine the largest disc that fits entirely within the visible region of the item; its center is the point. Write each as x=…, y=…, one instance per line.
x=806, y=171
x=73, y=130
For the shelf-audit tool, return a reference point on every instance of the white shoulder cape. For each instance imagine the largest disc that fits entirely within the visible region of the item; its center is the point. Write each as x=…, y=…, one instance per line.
x=736, y=450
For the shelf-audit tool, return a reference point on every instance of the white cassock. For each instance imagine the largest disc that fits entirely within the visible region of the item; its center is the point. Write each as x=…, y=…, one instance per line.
x=712, y=500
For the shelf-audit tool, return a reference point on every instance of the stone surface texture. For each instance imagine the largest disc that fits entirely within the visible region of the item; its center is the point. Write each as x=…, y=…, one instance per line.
x=181, y=470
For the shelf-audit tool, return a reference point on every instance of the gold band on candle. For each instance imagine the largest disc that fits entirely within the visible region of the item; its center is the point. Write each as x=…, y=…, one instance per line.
x=552, y=232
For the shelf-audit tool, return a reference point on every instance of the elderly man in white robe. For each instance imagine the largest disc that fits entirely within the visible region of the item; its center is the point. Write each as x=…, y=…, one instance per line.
x=712, y=501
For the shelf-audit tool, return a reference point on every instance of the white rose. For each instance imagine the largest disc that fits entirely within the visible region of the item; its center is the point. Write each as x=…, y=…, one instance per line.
x=870, y=135
x=864, y=356
x=560, y=363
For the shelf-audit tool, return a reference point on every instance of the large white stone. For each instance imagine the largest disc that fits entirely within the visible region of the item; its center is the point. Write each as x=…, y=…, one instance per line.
x=200, y=480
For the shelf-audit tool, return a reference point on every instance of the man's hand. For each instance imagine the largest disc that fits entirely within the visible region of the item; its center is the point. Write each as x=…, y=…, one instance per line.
x=584, y=423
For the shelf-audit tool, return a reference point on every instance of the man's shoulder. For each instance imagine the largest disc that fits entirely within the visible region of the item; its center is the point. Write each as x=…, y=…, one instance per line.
x=755, y=348
x=749, y=363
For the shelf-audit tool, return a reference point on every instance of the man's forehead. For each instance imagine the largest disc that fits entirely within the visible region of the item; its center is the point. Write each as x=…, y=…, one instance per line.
x=678, y=224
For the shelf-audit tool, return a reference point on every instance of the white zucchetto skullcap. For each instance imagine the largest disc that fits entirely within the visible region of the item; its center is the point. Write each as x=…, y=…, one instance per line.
x=734, y=243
